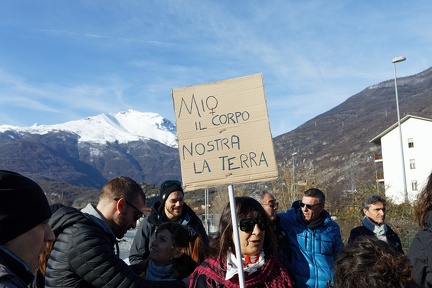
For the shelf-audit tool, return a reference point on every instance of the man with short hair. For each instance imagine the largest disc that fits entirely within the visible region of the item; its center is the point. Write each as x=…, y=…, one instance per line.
x=86, y=252
x=24, y=229
x=314, y=239
x=374, y=211
x=170, y=208
x=270, y=205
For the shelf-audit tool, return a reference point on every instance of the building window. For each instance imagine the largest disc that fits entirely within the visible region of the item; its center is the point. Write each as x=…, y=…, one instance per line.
x=414, y=185
x=410, y=143
x=412, y=163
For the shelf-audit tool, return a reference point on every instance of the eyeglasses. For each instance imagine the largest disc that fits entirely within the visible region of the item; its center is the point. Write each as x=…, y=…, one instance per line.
x=308, y=206
x=139, y=213
x=274, y=205
x=247, y=225
x=170, y=183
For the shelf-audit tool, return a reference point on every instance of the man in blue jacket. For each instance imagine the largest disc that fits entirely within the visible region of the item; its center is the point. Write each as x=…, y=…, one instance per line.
x=314, y=239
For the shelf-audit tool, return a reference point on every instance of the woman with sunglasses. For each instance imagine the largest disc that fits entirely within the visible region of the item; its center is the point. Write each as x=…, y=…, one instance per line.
x=258, y=247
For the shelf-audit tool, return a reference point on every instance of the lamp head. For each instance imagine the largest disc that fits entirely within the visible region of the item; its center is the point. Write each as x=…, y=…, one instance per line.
x=398, y=59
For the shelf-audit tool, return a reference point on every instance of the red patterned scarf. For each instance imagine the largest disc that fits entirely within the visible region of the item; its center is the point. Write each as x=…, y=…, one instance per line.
x=272, y=275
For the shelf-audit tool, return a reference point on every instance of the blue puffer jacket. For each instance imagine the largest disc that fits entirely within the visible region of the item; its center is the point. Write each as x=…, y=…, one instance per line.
x=313, y=251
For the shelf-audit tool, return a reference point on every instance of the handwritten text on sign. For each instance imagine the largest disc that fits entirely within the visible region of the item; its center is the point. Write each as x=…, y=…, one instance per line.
x=223, y=132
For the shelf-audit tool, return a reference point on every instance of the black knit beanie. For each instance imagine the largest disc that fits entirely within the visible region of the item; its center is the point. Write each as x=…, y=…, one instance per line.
x=167, y=188
x=23, y=205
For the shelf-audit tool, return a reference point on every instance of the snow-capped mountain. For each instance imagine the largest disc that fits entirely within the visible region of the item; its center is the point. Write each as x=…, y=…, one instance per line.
x=91, y=151
x=122, y=127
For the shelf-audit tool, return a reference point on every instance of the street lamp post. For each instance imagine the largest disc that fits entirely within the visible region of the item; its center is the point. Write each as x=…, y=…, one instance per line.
x=394, y=61
x=293, y=176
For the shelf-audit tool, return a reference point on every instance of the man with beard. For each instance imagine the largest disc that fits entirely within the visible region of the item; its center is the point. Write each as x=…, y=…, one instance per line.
x=170, y=208
x=314, y=239
x=86, y=252
x=373, y=224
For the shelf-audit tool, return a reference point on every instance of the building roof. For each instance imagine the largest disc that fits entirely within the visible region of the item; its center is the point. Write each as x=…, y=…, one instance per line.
x=377, y=138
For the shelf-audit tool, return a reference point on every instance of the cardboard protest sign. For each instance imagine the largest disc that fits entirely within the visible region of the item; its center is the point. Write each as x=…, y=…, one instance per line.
x=224, y=133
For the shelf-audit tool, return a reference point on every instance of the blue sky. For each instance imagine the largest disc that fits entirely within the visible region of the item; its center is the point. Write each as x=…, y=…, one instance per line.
x=63, y=60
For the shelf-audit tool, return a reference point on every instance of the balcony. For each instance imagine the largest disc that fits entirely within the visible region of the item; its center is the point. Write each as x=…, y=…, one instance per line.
x=378, y=157
x=380, y=177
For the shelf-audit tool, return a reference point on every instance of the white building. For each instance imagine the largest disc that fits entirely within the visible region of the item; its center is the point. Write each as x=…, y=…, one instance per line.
x=417, y=145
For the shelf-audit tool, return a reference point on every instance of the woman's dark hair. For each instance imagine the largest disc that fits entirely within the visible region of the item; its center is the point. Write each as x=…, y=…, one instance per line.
x=424, y=204
x=369, y=262
x=189, y=242
x=246, y=207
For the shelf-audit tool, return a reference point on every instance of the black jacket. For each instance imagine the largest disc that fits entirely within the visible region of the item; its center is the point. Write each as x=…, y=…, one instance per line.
x=13, y=273
x=147, y=228
x=84, y=255
x=392, y=237
x=420, y=254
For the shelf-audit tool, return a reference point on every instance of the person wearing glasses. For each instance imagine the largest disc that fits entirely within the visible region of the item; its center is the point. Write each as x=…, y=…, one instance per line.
x=24, y=229
x=268, y=202
x=170, y=208
x=314, y=239
x=86, y=252
x=260, y=265
x=374, y=211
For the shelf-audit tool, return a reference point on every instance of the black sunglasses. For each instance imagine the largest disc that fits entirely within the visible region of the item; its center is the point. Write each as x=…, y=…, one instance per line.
x=248, y=225
x=139, y=213
x=170, y=183
x=272, y=205
x=308, y=206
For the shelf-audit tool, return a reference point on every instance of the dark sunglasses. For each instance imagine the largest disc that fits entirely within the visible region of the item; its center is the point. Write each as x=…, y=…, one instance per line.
x=247, y=225
x=170, y=183
x=274, y=205
x=308, y=206
x=139, y=213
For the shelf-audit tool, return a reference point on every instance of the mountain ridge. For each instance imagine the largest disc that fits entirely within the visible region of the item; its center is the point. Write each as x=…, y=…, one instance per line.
x=333, y=148
x=121, y=127
x=91, y=151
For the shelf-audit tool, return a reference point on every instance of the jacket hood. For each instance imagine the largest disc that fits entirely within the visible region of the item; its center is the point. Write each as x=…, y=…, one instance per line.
x=296, y=205
x=67, y=216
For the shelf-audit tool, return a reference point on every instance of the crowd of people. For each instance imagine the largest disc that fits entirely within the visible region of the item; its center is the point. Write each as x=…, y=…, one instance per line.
x=43, y=245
